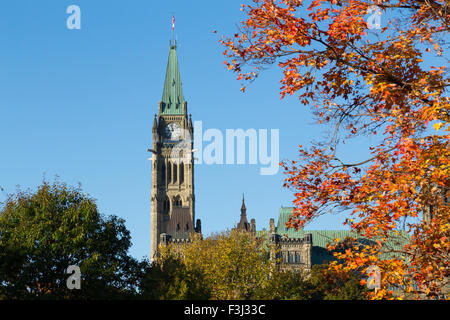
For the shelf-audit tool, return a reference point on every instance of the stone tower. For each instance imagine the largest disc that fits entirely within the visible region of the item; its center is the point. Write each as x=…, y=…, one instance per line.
x=172, y=188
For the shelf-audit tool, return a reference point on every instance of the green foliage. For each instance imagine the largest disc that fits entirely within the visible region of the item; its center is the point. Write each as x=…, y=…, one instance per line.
x=287, y=285
x=42, y=233
x=171, y=280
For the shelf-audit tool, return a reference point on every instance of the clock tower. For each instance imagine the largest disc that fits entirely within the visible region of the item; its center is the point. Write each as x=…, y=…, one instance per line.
x=172, y=188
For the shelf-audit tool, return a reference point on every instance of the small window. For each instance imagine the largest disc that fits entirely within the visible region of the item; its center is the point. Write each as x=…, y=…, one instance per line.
x=177, y=202
x=166, y=206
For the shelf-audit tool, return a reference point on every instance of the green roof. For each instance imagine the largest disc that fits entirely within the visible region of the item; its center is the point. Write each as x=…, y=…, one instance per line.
x=321, y=238
x=172, y=99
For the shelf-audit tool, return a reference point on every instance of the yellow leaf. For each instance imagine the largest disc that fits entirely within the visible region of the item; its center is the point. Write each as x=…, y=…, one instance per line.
x=438, y=125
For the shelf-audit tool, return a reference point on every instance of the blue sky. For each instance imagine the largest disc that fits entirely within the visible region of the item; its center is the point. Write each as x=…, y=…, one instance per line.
x=80, y=104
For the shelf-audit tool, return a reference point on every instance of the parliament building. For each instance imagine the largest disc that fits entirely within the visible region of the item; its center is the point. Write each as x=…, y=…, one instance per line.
x=172, y=188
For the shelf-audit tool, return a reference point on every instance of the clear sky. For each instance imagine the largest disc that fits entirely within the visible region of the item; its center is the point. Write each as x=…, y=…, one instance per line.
x=80, y=104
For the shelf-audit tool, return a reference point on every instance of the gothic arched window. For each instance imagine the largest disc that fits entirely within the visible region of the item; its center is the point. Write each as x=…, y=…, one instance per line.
x=181, y=173
x=163, y=173
x=297, y=257
x=166, y=206
x=175, y=168
x=169, y=172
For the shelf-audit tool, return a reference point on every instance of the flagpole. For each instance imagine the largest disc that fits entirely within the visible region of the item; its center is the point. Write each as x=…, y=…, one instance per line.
x=173, y=29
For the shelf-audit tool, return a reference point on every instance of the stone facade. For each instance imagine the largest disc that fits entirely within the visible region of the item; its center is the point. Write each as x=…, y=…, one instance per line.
x=290, y=253
x=293, y=254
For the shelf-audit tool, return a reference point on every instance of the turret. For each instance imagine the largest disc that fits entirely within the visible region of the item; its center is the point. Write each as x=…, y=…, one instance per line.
x=253, y=226
x=198, y=227
x=155, y=125
x=190, y=127
x=272, y=226
x=165, y=239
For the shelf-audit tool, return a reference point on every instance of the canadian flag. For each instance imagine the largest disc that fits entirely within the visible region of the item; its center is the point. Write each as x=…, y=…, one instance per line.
x=173, y=23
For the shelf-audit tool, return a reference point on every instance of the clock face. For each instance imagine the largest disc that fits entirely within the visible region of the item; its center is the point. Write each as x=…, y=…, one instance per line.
x=172, y=131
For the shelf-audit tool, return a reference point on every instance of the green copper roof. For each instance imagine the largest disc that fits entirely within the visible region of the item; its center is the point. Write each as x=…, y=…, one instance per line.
x=321, y=238
x=172, y=99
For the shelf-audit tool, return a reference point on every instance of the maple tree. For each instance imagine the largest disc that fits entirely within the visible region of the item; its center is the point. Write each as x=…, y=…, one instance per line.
x=389, y=83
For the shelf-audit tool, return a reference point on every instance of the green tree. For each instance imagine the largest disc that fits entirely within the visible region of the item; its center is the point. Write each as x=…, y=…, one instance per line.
x=43, y=233
x=287, y=285
x=169, y=279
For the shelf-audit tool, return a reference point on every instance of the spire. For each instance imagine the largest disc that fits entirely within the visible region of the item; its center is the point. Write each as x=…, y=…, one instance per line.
x=243, y=224
x=243, y=208
x=172, y=99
